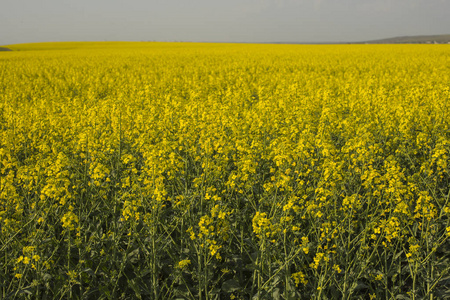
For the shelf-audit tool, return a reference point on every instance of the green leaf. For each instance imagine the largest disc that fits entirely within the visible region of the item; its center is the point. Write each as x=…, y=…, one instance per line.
x=25, y=291
x=133, y=256
x=47, y=277
x=230, y=286
x=276, y=294
x=402, y=297
x=88, y=271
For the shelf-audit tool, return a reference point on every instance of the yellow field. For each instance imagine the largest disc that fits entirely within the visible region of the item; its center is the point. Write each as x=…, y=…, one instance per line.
x=224, y=171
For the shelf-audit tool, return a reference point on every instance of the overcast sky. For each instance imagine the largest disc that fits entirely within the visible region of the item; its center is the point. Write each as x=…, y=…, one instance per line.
x=23, y=21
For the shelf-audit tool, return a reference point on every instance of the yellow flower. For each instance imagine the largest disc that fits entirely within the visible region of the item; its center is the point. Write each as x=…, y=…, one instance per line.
x=299, y=277
x=191, y=233
x=318, y=259
x=337, y=269
x=213, y=249
x=262, y=226
x=183, y=263
x=72, y=275
x=69, y=220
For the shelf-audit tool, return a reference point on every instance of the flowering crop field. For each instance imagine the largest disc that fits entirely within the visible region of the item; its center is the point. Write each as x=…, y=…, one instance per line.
x=224, y=171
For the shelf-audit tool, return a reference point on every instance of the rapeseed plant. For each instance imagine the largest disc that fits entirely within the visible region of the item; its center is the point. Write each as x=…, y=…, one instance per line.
x=201, y=171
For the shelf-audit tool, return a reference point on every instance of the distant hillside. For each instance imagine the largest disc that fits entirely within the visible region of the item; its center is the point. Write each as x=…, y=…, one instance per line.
x=418, y=39
x=4, y=49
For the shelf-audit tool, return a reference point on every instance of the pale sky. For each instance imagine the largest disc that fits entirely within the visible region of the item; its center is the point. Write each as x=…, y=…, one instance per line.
x=25, y=21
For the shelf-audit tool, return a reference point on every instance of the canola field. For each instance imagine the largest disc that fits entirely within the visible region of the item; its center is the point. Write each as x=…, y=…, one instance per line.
x=224, y=171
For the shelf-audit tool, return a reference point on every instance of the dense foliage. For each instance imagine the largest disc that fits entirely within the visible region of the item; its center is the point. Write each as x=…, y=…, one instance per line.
x=222, y=171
